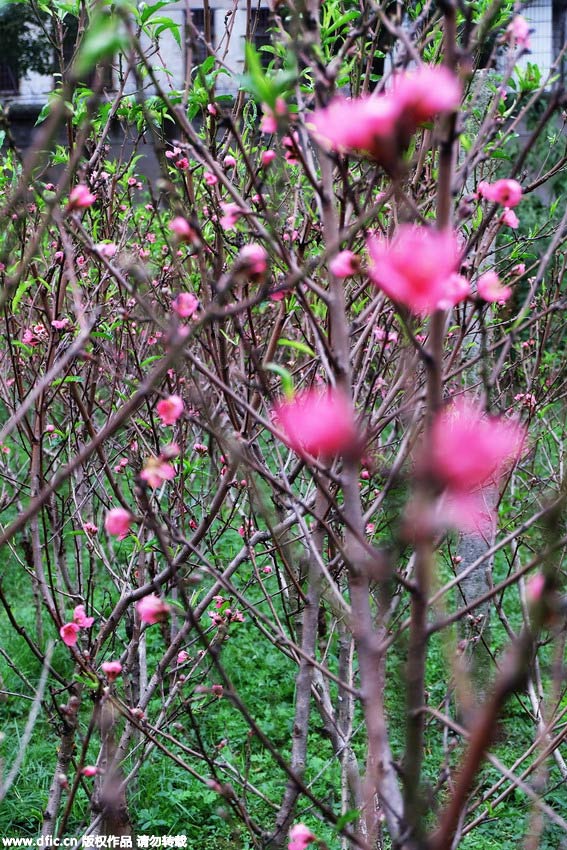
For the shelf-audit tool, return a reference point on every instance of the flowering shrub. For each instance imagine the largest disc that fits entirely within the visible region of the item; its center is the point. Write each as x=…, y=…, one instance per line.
x=282, y=425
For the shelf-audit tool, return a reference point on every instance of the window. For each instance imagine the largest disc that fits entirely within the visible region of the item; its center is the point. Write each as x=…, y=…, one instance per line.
x=9, y=83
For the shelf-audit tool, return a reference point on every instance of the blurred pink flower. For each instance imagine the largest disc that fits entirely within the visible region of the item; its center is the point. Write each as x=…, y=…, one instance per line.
x=510, y=218
x=89, y=770
x=81, y=198
x=230, y=215
x=424, y=93
x=181, y=227
x=362, y=125
x=490, y=288
x=319, y=423
x=151, y=609
x=470, y=450
x=416, y=267
x=69, y=633
x=267, y=157
x=508, y=193
x=182, y=656
x=457, y=289
x=81, y=619
x=185, y=304
x=518, y=32
x=170, y=409
x=118, y=522
x=345, y=264
x=254, y=259
x=156, y=471
x=229, y=161
x=300, y=836
x=112, y=669
x=210, y=179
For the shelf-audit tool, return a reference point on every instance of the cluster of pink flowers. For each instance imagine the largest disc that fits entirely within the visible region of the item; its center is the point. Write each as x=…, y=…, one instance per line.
x=35, y=335
x=318, y=423
x=418, y=268
x=382, y=126
x=507, y=193
x=226, y=616
x=70, y=631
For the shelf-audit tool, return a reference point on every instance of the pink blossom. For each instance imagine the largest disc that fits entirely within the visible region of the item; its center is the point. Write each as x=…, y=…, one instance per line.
x=229, y=161
x=118, y=522
x=508, y=193
x=535, y=588
x=182, y=164
x=510, y=218
x=457, y=289
x=69, y=632
x=219, y=601
x=518, y=32
x=60, y=324
x=267, y=569
x=424, y=93
x=382, y=126
x=156, y=471
x=182, y=656
x=210, y=179
x=107, y=249
x=112, y=669
x=415, y=268
x=151, y=609
x=217, y=690
x=89, y=770
x=231, y=214
x=490, y=288
x=90, y=528
x=519, y=269
x=80, y=198
x=267, y=157
x=81, y=619
x=211, y=109
x=300, y=836
x=181, y=227
x=469, y=449
x=345, y=264
x=254, y=259
x=319, y=423
x=173, y=153
x=170, y=409
x=363, y=125
x=185, y=304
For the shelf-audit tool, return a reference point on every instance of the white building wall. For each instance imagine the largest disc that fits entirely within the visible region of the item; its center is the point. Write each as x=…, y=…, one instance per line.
x=539, y=15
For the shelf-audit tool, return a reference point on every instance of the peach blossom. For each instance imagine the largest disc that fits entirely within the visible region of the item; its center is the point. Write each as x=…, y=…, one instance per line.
x=69, y=633
x=118, y=522
x=170, y=409
x=151, y=609
x=490, y=288
x=319, y=423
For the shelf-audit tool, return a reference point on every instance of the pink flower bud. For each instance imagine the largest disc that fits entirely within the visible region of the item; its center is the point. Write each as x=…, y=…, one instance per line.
x=112, y=669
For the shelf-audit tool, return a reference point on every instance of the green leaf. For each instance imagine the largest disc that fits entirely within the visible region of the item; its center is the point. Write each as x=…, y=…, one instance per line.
x=287, y=380
x=104, y=37
x=347, y=818
x=299, y=346
x=70, y=379
x=147, y=11
x=20, y=292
